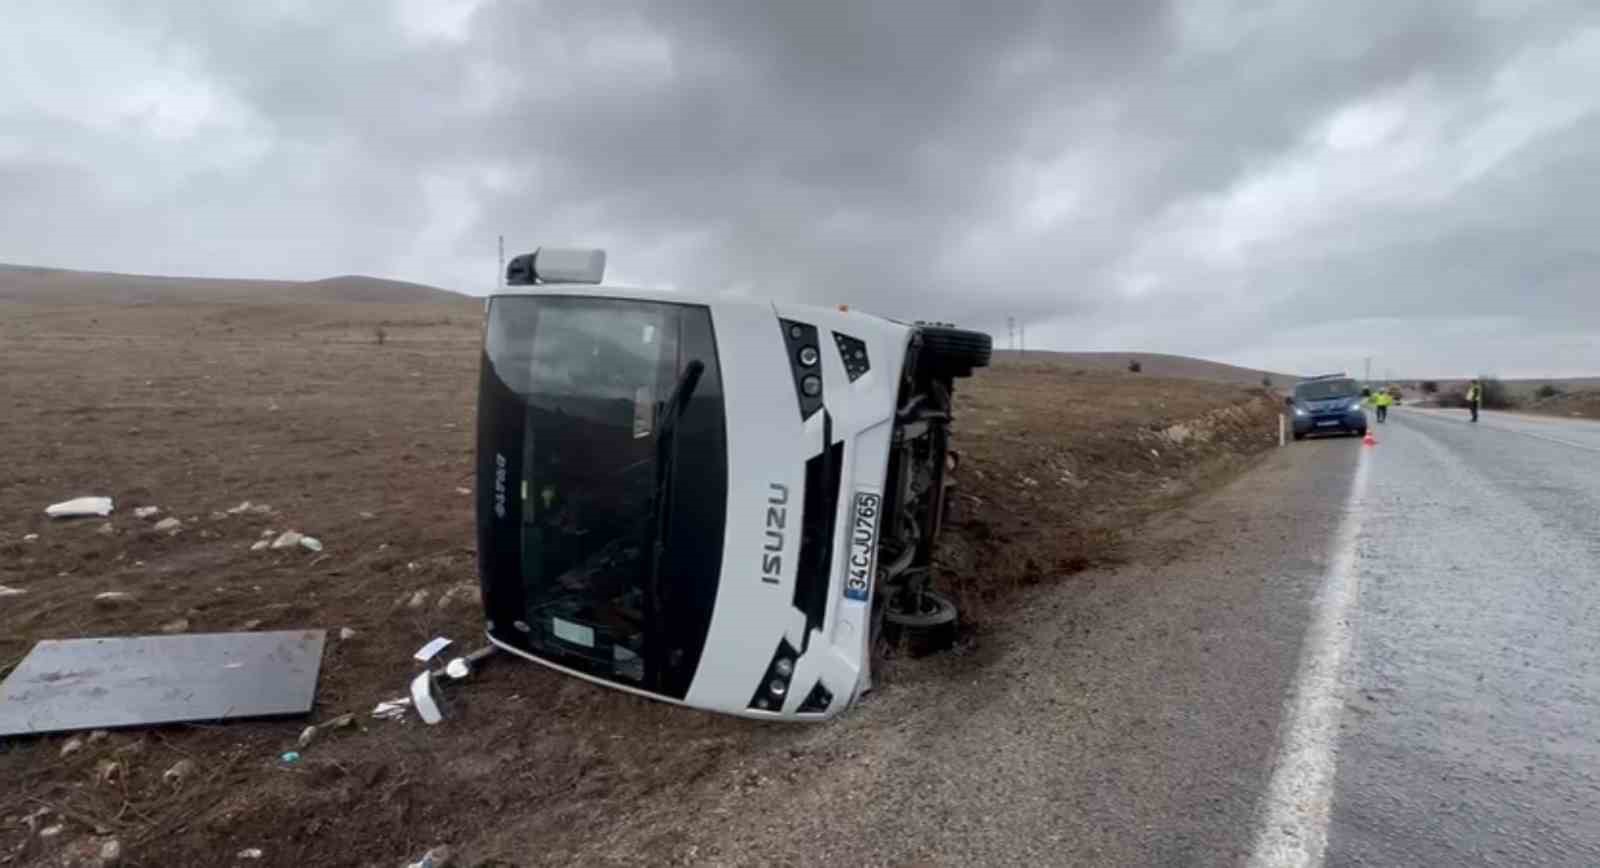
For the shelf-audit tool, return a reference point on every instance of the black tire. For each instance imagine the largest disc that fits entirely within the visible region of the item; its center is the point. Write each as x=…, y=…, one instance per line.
x=937, y=611
x=1299, y=437
x=922, y=633
x=953, y=352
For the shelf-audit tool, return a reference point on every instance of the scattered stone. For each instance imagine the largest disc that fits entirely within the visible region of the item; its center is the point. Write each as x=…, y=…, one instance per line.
x=179, y=625
x=439, y=857
x=287, y=540
x=110, y=852
x=52, y=830
x=10, y=592
x=260, y=545
x=463, y=490
x=268, y=533
x=369, y=515
x=112, y=599
x=463, y=594
x=169, y=524
x=343, y=721
x=241, y=508
x=108, y=772
x=418, y=599
x=1154, y=454
x=307, y=736
x=250, y=853
x=106, y=529
x=261, y=509
x=146, y=511
x=98, y=736
x=218, y=515
x=180, y=772
x=346, y=634
x=311, y=543
x=252, y=624
x=29, y=537
x=72, y=746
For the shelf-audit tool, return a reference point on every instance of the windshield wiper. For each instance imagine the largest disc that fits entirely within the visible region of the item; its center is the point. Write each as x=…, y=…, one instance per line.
x=666, y=466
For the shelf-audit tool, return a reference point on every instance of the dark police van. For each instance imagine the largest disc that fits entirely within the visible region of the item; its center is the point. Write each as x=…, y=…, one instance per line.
x=1329, y=404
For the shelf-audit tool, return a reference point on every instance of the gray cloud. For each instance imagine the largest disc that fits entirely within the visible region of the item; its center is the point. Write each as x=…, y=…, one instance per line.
x=1287, y=184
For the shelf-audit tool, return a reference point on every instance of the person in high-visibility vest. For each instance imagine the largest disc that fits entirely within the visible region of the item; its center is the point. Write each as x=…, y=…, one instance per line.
x=1474, y=398
x=1381, y=402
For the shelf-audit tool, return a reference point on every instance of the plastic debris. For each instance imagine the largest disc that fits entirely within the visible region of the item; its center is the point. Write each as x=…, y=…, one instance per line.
x=146, y=511
x=169, y=523
x=290, y=757
x=79, y=506
x=393, y=709
x=307, y=736
x=250, y=853
x=287, y=540
x=72, y=746
x=346, y=634
x=29, y=537
x=242, y=507
x=311, y=542
x=106, y=529
x=431, y=650
x=260, y=545
x=111, y=852
x=52, y=830
x=422, y=699
x=109, y=599
x=458, y=668
x=418, y=599
x=6, y=591
x=179, y=625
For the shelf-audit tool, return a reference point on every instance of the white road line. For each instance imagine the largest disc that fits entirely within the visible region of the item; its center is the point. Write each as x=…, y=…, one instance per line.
x=1293, y=828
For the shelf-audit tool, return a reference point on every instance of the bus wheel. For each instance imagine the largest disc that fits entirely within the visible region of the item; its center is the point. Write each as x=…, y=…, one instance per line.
x=926, y=625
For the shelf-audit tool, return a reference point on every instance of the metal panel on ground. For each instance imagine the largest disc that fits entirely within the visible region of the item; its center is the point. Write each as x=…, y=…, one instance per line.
x=102, y=683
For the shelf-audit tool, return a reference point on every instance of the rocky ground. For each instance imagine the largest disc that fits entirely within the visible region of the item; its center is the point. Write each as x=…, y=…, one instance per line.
x=235, y=425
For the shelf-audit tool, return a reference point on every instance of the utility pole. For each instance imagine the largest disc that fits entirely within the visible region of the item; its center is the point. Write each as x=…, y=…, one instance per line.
x=1011, y=332
x=1022, y=340
x=502, y=272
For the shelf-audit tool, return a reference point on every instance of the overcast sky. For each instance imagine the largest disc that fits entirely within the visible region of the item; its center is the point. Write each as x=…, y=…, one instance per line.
x=1287, y=185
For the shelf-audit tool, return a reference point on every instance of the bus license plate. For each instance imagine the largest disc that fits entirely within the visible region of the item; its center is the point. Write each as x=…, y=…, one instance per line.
x=863, y=546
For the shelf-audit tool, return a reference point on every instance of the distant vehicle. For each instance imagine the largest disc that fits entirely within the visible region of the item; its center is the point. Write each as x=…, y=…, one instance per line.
x=711, y=502
x=1329, y=404
x=1394, y=392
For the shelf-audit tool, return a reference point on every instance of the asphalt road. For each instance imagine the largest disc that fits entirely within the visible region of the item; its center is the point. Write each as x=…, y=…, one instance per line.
x=1350, y=656
x=1471, y=732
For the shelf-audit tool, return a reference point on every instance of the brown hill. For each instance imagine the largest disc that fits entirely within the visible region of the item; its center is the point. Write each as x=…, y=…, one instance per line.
x=1150, y=364
x=22, y=283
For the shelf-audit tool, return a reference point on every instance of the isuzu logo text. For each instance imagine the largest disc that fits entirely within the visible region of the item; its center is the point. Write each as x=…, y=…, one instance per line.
x=499, y=485
x=777, y=517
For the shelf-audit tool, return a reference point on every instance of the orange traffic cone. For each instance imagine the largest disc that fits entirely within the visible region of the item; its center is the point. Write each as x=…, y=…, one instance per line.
x=1370, y=439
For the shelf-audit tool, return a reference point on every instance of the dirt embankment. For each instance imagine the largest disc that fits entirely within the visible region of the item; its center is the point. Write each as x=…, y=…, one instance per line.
x=195, y=408
x=1582, y=404
x=1060, y=463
